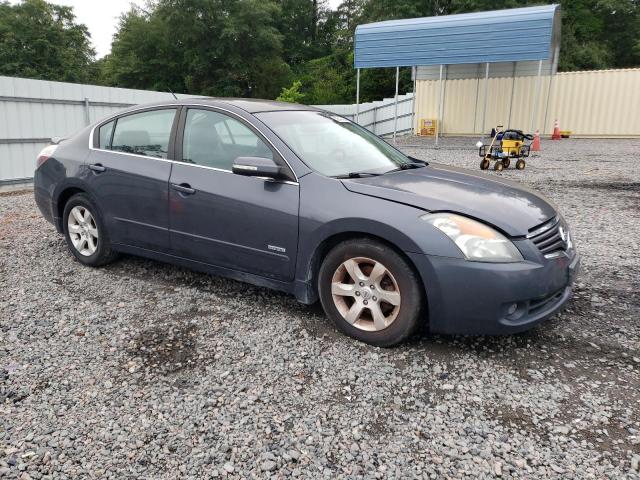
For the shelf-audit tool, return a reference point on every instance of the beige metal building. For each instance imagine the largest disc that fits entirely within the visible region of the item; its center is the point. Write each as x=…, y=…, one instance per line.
x=604, y=103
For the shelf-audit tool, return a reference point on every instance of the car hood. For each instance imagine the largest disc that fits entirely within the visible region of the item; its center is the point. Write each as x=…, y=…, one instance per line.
x=509, y=206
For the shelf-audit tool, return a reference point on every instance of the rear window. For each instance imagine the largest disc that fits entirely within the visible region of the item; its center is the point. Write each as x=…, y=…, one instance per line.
x=145, y=133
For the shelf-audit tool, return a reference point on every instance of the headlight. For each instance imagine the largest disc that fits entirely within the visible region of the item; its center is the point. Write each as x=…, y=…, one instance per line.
x=477, y=241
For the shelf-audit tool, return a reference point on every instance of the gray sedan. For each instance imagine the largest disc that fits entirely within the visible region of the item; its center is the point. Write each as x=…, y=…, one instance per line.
x=304, y=201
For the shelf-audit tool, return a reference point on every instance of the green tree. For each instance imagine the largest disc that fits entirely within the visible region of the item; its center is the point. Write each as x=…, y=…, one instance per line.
x=42, y=40
x=301, y=25
x=329, y=79
x=292, y=94
x=599, y=34
x=209, y=47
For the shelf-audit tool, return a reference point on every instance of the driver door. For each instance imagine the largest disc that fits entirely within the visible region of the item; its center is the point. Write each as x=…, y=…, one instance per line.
x=220, y=218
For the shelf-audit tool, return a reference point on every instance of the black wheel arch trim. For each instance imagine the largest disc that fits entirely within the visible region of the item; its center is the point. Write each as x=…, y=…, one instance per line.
x=61, y=195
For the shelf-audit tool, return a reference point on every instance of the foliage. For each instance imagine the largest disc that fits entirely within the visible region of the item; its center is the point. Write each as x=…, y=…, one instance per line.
x=208, y=47
x=292, y=94
x=41, y=40
x=256, y=48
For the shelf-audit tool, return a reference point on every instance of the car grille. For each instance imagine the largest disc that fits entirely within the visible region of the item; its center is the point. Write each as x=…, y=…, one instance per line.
x=547, y=237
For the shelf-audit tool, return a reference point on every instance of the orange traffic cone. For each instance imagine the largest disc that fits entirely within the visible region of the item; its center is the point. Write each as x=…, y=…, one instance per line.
x=535, y=146
x=556, y=131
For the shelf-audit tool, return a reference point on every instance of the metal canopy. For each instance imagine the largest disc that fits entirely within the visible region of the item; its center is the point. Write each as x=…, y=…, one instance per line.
x=517, y=34
x=498, y=36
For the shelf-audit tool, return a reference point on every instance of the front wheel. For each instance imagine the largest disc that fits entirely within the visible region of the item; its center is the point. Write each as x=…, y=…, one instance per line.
x=85, y=232
x=370, y=292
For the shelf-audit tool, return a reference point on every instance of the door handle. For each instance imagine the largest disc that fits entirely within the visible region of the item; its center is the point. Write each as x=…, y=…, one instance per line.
x=183, y=188
x=97, y=167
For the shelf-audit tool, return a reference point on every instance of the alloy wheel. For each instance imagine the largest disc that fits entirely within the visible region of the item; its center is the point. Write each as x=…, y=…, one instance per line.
x=365, y=293
x=83, y=230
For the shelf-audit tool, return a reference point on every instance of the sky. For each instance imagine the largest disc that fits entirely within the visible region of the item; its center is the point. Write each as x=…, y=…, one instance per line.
x=101, y=18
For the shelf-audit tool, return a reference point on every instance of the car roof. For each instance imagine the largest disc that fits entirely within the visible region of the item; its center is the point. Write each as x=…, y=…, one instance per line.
x=250, y=105
x=254, y=105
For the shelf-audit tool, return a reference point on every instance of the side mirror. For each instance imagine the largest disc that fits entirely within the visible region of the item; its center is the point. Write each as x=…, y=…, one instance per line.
x=256, y=167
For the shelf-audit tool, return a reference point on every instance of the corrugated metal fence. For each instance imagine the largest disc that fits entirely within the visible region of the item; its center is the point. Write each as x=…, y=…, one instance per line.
x=600, y=103
x=34, y=111
x=379, y=116
x=604, y=103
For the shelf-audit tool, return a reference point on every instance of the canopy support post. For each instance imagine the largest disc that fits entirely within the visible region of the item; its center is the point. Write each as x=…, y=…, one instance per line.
x=475, y=106
x=513, y=90
x=395, y=110
x=546, y=109
x=413, y=103
x=534, y=110
x=439, y=105
x=444, y=96
x=552, y=74
x=486, y=98
x=358, y=96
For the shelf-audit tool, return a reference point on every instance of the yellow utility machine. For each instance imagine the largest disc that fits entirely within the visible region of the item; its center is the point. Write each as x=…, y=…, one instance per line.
x=505, y=146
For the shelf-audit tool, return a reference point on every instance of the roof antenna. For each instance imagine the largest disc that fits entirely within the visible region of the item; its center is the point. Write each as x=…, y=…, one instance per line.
x=171, y=92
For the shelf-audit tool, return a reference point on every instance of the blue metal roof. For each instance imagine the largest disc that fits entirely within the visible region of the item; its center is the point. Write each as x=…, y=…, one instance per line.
x=497, y=36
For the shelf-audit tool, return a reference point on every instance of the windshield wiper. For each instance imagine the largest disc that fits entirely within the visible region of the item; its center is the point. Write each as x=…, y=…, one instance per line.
x=407, y=166
x=417, y=160
x=358, y=175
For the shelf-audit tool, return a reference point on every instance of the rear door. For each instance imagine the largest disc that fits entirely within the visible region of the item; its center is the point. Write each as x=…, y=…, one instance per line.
x=217, y=217
x=129, y=169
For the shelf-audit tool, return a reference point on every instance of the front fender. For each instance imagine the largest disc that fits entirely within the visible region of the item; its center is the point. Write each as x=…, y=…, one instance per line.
x=343, y=213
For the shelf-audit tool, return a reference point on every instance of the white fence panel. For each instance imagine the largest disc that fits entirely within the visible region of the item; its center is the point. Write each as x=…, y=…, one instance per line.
x=34, y=111
x=379, y=116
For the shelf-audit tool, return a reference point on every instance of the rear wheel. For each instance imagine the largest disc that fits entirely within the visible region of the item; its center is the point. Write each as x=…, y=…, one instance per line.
x=506, y=162
x=370, y=292
x=520, y=164
x=85, y=232
x=498, y=166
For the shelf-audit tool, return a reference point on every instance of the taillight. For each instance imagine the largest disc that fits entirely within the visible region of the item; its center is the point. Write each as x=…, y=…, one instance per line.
x=45, y=154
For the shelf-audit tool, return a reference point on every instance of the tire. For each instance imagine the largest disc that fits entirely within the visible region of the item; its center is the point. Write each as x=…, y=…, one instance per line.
x=393, y=323
x=506, y=162
x=498, y=166
x=86, y=235
x=484, y=164
x=520, y=164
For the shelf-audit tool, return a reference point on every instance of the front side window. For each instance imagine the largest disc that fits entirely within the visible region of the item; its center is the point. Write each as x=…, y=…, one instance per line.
x=332, y=145
x=145, y=133
x=213, y=139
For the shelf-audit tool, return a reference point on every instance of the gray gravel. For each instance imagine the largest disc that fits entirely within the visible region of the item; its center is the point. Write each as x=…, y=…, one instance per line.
x=145, y=370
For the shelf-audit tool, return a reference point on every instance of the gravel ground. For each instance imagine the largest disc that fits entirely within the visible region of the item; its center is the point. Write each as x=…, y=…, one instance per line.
x=145, y=370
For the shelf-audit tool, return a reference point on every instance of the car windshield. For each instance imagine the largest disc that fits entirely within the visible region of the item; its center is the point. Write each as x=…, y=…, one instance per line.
x=332, y=145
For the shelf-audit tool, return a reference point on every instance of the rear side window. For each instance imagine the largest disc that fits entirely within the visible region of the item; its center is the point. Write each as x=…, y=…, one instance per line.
x=145, y=133
x=215, y=140
x=105, y=135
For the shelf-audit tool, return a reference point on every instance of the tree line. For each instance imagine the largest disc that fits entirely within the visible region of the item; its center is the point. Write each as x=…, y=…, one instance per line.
x=299, y=49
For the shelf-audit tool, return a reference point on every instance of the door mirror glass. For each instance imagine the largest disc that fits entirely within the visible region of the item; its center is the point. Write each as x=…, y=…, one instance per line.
x=257, y=167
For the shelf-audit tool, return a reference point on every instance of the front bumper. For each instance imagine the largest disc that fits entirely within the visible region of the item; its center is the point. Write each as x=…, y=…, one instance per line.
x=478, y=298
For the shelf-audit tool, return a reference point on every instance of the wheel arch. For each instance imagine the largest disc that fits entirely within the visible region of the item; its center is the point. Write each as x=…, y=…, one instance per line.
x=62, y=196
x=321, y=250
